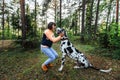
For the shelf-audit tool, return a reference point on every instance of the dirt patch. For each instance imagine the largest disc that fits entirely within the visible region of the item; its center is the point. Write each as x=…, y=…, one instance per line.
x=6, y=44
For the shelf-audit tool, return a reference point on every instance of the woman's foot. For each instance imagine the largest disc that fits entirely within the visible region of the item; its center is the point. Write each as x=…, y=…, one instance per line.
x=50, y=65
x=44, y=68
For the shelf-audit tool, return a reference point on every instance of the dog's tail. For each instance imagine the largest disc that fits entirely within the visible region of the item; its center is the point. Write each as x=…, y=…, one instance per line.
x=101, y=70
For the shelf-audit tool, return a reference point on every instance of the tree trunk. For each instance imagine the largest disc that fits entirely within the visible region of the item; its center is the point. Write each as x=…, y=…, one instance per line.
x=19, y=21
x=60, y=12
x=89, y=13
x=75, y=22
x=83, y=18
x=79, y=15
x=3, y=20
x=91, y=17
x=96, y=20
x=117, y=16
x=109, y=10
x=22, y=6
x=35, y=17
x=8, y=30
x=55, y=10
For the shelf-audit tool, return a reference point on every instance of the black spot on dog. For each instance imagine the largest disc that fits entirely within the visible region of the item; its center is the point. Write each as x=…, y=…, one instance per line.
x=77, y=51
x=82, y=64
x=62, y=43
x=65, y=51
x=68, y=43
x=83, y=60
x=63, y=63
x=69, y=49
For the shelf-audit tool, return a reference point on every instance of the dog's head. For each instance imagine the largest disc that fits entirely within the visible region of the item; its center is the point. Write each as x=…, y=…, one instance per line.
x=61, y=30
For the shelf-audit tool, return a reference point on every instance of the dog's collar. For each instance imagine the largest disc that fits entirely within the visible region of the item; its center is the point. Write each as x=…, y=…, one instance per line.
x=64, y=39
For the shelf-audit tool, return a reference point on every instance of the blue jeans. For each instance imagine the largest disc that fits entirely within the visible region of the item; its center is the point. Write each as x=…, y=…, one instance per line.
x=51, y=53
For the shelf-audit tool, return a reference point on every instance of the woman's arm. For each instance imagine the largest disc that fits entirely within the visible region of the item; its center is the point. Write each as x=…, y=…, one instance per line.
x=50, y=35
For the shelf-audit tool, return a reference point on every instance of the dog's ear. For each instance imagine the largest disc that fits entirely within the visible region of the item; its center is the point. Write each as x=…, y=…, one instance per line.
x=63, y=30
x=65, y=34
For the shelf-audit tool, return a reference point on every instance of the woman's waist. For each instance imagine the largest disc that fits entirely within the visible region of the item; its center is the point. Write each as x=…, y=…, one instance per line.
x=44, y=46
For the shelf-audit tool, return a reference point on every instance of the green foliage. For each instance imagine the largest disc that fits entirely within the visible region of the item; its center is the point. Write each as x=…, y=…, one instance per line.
x=116, y=54
x=109, y=39
x=65, y=23
x=103, y=5
x=103, y=40
x=115, y=43
x=15, y=21
x=30, y=27
x=8, y=34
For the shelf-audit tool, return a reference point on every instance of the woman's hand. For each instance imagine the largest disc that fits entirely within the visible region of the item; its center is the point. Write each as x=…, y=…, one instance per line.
x=61, y=34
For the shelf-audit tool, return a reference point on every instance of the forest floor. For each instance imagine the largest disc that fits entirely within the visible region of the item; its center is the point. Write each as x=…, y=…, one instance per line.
x=19, y=64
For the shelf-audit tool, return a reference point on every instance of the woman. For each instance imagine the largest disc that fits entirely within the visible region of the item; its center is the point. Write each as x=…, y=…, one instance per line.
x=46, y=45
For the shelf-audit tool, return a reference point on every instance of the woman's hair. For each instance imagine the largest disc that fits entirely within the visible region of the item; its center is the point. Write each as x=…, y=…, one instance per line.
x=50, y=25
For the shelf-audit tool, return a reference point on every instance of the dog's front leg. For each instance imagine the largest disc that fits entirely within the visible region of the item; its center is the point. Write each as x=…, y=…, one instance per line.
x=62, y=62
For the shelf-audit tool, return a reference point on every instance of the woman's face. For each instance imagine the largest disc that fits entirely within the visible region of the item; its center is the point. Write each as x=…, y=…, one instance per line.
x=53, y=27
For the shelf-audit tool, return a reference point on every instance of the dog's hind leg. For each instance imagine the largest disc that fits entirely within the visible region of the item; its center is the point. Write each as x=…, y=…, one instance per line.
x=62, y=62
x=78, y=65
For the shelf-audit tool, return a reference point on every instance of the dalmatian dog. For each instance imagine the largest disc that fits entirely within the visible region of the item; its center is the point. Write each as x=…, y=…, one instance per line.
x=69, y=50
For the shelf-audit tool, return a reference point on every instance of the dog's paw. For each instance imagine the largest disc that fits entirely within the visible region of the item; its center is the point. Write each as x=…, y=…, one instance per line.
x=76, y=67
x=60, y=69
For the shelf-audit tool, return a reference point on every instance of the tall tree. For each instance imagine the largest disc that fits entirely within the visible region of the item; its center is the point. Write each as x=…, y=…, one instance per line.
x=35, y=16
x=108, y=14
x=96, y=20
x=3, y=4
x=117, y=11
x=89, y=17
x=18, y=21
x=3, y=20
x=60, y=12
x=76, y=16
x=83, y=18
x=8, y=20
x=55, y=3
x=117, y=16
x=54, y=6
x=22, y=6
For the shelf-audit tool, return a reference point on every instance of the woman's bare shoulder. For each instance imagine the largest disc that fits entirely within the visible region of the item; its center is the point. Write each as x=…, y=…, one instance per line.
x=47, y=31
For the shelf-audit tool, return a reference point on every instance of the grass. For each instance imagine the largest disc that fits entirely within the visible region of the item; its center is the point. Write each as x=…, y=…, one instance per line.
x=19, y=64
